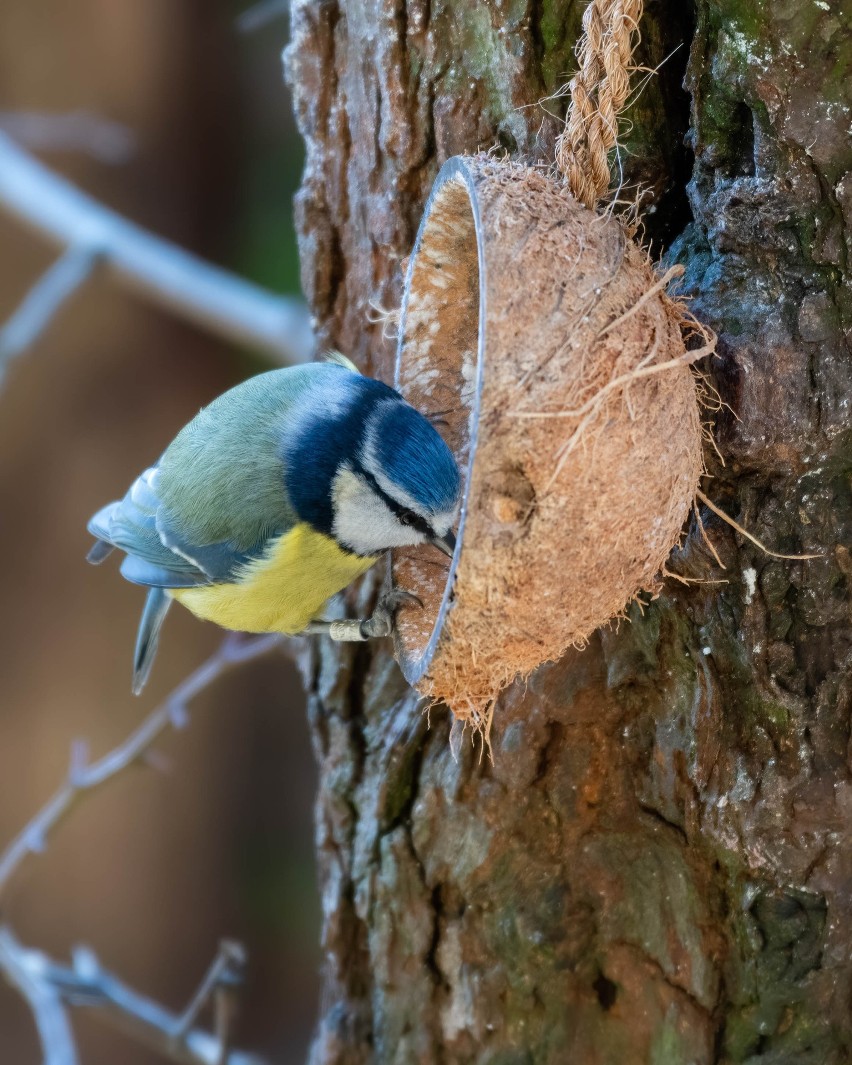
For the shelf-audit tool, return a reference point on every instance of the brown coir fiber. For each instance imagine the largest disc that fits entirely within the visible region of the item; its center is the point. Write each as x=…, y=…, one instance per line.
x=533, y=331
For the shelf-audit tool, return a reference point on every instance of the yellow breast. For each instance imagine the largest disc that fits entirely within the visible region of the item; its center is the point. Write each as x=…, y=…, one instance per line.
x=284, y=590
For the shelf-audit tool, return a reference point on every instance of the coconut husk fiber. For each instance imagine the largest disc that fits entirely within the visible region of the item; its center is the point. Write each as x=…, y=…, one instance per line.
x=533, y=332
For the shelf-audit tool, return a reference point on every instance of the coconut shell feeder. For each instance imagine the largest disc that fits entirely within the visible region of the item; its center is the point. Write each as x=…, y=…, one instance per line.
x=539, y=338
x=528, y=325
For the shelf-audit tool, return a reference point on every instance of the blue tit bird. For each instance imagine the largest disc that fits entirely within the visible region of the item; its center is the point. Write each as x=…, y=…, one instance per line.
x=277, y=496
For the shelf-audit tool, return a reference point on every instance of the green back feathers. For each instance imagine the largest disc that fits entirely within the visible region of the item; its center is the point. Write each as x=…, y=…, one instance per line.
x=222, y=478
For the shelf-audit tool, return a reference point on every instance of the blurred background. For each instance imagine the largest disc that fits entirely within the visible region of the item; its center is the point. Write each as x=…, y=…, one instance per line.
x=154, y=869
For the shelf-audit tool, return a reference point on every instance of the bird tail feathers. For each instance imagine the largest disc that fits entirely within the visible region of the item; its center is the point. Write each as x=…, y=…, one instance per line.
x=154, y=613
x=99, y=551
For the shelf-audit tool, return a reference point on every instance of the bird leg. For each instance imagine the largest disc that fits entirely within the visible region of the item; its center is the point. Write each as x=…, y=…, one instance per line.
x=380, y=623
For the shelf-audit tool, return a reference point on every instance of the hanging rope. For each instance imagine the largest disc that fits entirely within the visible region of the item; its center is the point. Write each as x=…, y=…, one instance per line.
x=598, y=93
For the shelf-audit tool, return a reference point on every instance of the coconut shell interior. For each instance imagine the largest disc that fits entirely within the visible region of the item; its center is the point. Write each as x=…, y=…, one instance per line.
x=439, y=374
x=528, y=327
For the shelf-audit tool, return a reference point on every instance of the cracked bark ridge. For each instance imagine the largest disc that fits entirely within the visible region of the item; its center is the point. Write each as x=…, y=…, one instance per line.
x=657, y=867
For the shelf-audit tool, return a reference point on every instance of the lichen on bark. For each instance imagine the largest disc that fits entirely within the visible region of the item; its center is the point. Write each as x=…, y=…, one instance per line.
x=655, y=868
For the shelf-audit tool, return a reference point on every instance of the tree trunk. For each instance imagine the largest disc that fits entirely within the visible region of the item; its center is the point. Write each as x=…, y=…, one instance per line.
x=656, y=867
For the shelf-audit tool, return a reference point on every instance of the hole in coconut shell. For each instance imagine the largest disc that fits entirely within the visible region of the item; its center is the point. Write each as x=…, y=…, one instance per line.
x=606, y=991
x=438, y=372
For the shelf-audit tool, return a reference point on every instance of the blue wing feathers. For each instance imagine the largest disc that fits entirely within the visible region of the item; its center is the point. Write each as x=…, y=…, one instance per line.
x=99, y=524
x=158, y=553
x=217, y=561
x=131, y=525
x=138, y=571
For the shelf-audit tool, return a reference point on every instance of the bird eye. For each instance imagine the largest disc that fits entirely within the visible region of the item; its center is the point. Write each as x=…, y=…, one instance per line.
x=407, y=517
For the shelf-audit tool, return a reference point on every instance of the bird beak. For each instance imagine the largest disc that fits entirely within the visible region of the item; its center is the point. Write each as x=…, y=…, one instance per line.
x=446, y=543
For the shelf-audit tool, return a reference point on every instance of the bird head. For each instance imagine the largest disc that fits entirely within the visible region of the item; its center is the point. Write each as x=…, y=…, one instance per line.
x=401, y=487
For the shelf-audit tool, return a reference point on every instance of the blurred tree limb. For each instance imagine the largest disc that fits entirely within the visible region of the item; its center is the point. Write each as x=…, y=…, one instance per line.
x=84, y=778
x=40, y=305
x=71, y=131
x=163, y=273
x=51, y=1020
x=258, y=16
x=50, y=988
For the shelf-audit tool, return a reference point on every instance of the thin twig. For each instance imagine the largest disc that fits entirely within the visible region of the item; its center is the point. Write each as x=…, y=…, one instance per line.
x=157, y=269
x=83, y=778
x=226, y=968
x=223, y=1016
x=744, y=532
x=261, y=14
x=24, y=970
x=71, y=131
x=40, y=305
x=225, y=1002
x=86, y=984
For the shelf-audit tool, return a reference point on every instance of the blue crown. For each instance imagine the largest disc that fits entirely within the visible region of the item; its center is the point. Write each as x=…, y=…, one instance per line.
x=413, y=456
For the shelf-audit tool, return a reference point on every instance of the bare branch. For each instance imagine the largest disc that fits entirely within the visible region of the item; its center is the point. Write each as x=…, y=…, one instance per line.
x=71, y=131
x=225, y=1008
x=24, y=970
x=157, y=269
x=261, y=14
x=86, y=984
x=49, y=987
x=83, y=778
x=45, y=298
x=226, y=970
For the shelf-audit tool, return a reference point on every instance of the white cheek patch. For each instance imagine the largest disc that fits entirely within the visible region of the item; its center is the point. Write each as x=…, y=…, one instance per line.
x=362, y=521
x=443, y=522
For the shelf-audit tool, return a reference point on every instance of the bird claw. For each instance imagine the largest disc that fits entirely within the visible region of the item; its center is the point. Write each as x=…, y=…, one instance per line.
x=383, y=619
x=380, y=623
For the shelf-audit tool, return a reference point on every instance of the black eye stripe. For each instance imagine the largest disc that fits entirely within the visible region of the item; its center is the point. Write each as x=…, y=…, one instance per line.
x=411, y=519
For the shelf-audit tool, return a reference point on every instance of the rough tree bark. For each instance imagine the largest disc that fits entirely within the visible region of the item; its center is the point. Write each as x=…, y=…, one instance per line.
x=656, y=868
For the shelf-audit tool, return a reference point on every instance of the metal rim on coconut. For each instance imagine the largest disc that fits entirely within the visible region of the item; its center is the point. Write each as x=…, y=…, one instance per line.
x=452, y=220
